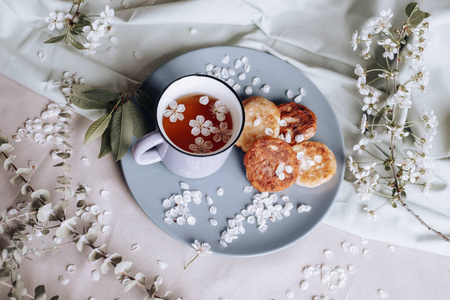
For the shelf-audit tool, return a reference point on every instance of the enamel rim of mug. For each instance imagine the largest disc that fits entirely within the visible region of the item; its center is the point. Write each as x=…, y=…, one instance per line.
x=203, y=154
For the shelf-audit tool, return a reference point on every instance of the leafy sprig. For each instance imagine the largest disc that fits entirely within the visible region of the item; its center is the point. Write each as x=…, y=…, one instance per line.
x=123, y=118
x=41, y=215
x=389, y=170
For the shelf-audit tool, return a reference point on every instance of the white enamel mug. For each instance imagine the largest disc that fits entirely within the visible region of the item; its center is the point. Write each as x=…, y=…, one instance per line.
x=156, y=146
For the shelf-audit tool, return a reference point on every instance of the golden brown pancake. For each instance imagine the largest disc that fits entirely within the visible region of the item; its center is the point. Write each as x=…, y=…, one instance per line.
x=317, y=163
x=300, y=121
x=271, y=165
x=262, y=119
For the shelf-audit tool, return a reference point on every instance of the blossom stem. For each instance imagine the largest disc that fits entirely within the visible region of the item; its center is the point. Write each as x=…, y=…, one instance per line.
x=185, y=267
x=404, y=204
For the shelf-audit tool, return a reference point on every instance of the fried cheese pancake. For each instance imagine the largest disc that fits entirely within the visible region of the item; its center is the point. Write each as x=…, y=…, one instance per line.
x=298, y=122
x=317, y=163
x=271, y=165
x=262, y=119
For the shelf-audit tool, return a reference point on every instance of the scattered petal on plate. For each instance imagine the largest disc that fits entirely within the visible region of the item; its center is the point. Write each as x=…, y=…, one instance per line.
x=135, y=247
x=241, y=76
x=162, y=264
x=219, y=191
x=213, y=210
x=184, y=185
x=248, y=188
x=238, y=64
x=289, y=94
x=290, y=294
x=302, y=91
x=265, y=88
x=256, y=80
x=248, y=90
x=298, y=99
x=213, y=222
x=226, y=59
x=191, y=220
x=209, y=200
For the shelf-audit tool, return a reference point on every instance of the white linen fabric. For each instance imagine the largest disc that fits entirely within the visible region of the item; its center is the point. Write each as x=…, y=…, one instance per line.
x=311, y=35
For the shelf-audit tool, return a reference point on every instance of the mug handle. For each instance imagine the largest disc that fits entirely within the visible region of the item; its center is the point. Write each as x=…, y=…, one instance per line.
x=142, y=150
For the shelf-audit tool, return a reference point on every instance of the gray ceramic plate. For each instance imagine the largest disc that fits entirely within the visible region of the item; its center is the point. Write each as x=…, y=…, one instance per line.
x=152, y=183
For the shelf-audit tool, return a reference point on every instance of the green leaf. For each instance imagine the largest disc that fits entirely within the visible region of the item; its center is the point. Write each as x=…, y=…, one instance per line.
x=105, y=148
x=103, y=95
x=4, y=274
x=79, y=98
x=97, y=128
x=416, y=18
x=16, y=180
x=140, y=277
x=55, y=297
x=64, y=230
x=139, y=122
x=153, y=290
x=63, y=155
x=66, y=167
x=63, y=180
x=76, y=44
x=121, y=131
x=39, y=293
x=410, y=8
x=55, y=39
x=144, y=101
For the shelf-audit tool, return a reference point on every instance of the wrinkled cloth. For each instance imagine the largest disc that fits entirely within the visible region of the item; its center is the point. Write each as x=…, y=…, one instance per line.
x=311, y=35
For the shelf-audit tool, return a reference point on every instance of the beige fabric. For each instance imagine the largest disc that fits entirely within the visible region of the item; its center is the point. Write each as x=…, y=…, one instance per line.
x=209, y=277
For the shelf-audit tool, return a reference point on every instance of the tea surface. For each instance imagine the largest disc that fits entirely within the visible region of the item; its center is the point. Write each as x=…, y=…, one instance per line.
x=198, y=123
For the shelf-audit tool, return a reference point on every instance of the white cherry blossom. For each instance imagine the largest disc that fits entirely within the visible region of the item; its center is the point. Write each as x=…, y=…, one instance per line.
x=222, y=133
x=107, y=15
x=175, y=111
x=55, y=20
x=219, y=109
x=200, y=125
x=201, y=146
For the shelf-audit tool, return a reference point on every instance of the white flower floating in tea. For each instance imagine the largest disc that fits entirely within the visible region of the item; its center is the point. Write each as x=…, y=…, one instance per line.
x=222, y=133
x=175, y=111
x=199, y=125
x=201, y=146
x=219, y=109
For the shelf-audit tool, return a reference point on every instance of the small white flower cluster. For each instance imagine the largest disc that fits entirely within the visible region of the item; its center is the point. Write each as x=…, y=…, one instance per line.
x=94, y=31
x=48, y=128
x=332, y=278
x=178, y=206
x=412, y=167
x=263, y=207
x=99, y=29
